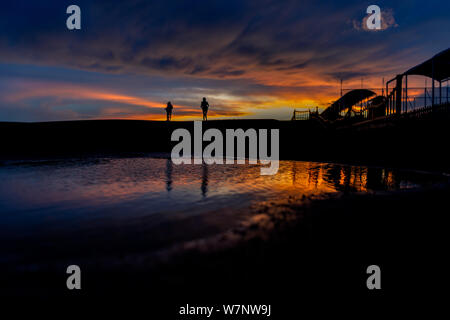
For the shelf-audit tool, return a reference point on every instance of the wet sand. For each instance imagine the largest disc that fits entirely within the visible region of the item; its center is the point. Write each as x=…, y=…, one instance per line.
x=295, y=250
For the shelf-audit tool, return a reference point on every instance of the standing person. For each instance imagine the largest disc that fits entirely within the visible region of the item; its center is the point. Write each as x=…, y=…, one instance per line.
x=169, y=109
x=205, y=106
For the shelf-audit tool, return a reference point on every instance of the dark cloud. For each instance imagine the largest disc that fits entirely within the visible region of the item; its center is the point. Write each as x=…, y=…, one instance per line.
x=204, y=38
x=223, y=72
x=166, y=63
x=347, y=75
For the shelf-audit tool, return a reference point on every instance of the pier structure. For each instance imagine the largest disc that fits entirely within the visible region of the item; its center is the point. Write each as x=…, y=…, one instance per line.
x=393, y=100
x=437, y=69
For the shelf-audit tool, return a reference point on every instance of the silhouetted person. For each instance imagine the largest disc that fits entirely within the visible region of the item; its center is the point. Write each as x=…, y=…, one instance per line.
x=169, y=109
x=205, y=106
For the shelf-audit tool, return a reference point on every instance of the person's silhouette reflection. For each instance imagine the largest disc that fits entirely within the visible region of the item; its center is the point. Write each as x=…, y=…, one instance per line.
x=204, y=186
x=169, y=168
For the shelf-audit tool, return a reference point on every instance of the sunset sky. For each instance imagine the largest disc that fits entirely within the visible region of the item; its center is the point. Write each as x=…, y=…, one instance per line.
x=252, y=59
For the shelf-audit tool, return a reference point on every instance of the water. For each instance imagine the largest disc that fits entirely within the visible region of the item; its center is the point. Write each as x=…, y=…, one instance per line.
x=105, y=207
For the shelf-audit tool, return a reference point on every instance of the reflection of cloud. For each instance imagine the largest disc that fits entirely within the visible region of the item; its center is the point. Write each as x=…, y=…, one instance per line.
x=387, y=21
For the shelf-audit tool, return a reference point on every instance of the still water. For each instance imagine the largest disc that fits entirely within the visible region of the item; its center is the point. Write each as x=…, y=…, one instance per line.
x=109, y=205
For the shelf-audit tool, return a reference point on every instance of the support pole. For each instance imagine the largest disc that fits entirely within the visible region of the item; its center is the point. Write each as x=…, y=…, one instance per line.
x=398, y=94
x=391, y=97
x=406, y=93
x=432, y=83
x=425, y=94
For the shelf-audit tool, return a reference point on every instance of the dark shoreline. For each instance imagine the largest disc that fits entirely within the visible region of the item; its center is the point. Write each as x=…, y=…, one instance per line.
x=410, y=143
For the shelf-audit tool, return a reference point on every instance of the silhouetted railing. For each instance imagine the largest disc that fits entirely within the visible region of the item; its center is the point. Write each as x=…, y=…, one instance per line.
x=301, y=115
x=427, y=111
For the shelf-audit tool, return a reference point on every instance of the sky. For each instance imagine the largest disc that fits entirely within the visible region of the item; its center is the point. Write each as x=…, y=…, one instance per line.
x=250, y=59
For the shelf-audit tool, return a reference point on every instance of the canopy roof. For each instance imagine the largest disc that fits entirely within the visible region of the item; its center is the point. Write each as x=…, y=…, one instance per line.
x=376, y=102
x=441, y=63
x=346, y=101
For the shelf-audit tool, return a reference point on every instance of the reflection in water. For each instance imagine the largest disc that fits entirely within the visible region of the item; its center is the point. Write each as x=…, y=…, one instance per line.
x=169, y=168
x=354, y=178
x=143, y=186
x=153, y=202
x=204, y=187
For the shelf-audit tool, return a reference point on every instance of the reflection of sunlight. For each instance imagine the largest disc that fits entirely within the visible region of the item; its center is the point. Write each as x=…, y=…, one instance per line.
x=326, y=178
x=389, y=180
x=342, y=177
x=156, y=184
